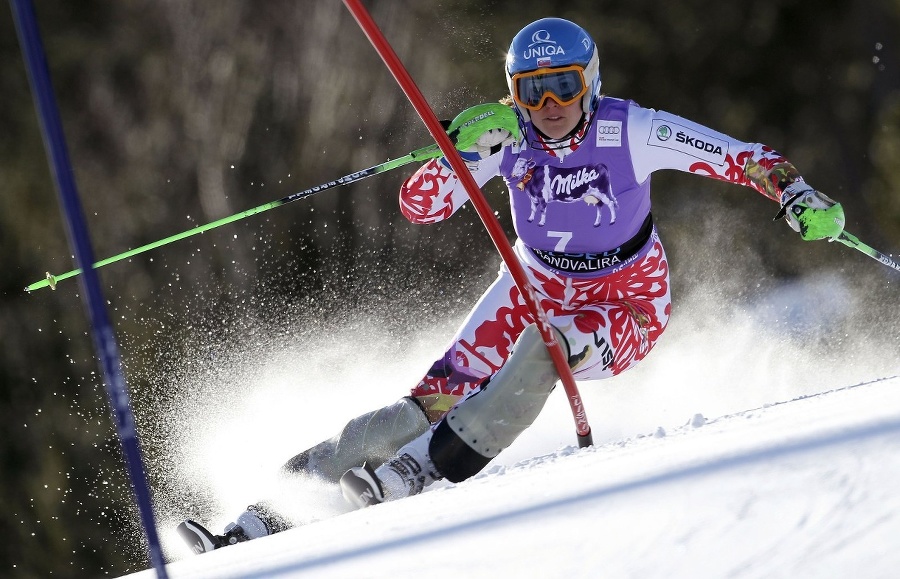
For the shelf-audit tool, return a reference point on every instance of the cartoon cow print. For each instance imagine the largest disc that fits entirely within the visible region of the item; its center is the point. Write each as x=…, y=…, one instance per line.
x=589, y=185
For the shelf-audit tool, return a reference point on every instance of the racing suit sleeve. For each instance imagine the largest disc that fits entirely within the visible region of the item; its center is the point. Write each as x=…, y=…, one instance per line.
x=660, y=140
x=434, y=192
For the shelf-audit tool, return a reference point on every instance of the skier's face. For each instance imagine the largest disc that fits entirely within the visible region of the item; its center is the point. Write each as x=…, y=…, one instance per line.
x=556, y=121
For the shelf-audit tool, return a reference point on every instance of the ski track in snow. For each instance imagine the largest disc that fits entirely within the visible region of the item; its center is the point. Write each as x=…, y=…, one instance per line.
x=805, y=488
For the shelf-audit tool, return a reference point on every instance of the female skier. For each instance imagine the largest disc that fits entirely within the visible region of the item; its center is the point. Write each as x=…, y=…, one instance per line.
x=577, y=165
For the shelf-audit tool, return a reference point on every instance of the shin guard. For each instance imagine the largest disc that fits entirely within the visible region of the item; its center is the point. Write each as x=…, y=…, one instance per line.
x=373, y=437
x=479, y=427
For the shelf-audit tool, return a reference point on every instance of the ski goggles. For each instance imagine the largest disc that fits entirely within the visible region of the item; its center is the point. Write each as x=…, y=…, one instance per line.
x=565, y=85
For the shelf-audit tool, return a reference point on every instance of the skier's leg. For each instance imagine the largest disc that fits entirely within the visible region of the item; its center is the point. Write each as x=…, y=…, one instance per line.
x=372, y=437
x=472, y=433
x=488, y=421
x=619, y=319
x=478, y=349
x=609, y=323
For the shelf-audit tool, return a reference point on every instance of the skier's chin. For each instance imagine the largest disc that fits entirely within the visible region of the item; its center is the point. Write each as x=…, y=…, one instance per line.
x=555, y=127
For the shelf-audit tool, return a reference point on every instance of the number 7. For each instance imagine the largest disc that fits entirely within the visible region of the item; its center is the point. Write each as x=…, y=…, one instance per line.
x=564, y=237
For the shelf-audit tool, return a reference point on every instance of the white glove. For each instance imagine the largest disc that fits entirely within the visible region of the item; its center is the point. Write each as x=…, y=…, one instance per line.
x=488, y=143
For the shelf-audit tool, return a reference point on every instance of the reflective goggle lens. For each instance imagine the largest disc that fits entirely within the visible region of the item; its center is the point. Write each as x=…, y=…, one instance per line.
x=564, y=85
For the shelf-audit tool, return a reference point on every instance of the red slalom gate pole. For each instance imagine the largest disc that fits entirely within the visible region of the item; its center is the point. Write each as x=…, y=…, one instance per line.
x=401, y=75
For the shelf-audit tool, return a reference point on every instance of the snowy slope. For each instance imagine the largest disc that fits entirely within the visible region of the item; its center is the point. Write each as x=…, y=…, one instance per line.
x=806, y=488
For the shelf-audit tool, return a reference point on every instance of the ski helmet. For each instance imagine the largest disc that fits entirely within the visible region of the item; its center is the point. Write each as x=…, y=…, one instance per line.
x=553, y=58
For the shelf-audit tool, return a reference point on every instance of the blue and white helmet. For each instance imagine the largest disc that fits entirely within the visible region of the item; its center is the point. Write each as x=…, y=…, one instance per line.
x=553, y=43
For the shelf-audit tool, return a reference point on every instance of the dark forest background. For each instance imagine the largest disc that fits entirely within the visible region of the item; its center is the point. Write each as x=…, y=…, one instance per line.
x=180, y=112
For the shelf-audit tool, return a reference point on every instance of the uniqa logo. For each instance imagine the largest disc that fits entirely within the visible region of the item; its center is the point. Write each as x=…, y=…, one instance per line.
x=542, y=46
x=540, y=36
x=663, y=133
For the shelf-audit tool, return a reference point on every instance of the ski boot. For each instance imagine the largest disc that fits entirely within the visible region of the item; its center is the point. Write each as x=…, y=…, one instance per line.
x=361, y=487
x=406, y=474
x=257, y=521
x=200, y=540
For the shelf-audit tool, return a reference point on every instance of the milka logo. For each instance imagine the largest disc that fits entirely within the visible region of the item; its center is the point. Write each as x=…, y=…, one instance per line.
x=542, y=46
x=562, y=186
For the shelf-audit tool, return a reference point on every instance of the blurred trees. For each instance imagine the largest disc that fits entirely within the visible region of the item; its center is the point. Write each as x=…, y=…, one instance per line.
x=181, y=112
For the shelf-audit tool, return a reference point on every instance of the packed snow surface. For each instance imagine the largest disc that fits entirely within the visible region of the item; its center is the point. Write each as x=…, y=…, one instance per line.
x=807, y=487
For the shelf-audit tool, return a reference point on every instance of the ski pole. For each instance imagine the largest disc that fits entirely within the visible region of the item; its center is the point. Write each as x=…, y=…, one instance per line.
x=429, y=152
x=852, y=241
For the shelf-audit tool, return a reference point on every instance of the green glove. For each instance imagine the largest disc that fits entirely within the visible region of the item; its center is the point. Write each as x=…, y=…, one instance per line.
x=483, y=130
x=811, y=213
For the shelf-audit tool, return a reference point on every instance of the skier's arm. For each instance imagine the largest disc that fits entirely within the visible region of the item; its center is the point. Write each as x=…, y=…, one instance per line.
x=659, y=140
x=435, y=192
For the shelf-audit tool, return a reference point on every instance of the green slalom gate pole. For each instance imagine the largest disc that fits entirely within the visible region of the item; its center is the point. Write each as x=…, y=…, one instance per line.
x=429, y=152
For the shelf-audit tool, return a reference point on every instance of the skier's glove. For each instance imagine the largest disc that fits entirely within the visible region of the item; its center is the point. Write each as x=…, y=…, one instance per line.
x=811, y=213
x=480, y=131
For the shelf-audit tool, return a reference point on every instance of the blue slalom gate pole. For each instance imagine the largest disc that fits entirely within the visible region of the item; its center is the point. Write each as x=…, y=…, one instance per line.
x=105, y=345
